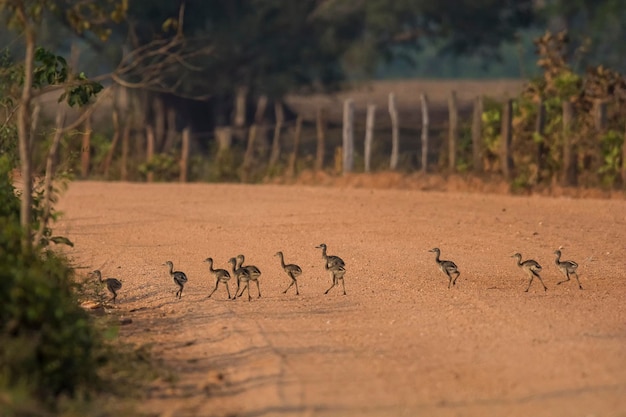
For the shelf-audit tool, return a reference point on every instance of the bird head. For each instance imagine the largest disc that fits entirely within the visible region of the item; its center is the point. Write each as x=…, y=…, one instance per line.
x=321, y=246
x=516, y=255
x=209, y=260
x=279, y=253
x=435, y=250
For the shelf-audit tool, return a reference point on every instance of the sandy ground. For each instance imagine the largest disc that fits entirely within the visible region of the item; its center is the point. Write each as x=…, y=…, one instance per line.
x=400, y=343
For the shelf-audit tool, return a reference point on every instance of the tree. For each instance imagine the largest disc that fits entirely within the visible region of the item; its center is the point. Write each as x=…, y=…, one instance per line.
x=25, y=16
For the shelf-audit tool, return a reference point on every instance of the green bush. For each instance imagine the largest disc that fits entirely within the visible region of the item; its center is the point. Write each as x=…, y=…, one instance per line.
x=47, y=342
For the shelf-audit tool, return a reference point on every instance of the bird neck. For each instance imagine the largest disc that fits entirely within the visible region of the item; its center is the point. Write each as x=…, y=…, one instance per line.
x=171, y=268
x=324, y=253
x=240, y=259
x=210, y=261
x=558, y=258
x=282, y=260
x=437, y=257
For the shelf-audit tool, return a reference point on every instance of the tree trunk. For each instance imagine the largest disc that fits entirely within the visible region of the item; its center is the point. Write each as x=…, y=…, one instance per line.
x=425, y=126
x=453, y=133
x=85, y=156
x=369, y=135
x=50, y=171
x=507, y=137
x=570, y=177
x=158, y=110
x=149, y=151
x=477, y=135
x=116, y=138
x=125, y=147
x=291, y=170
x=348, y=136
x=542, y=149
x=280, y=118
x=395, y=132
x=23, y=116
x=184, y=157
x=320, y=125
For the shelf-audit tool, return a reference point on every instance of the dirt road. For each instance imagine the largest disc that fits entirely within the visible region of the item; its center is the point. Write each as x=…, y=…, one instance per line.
x=400, y=343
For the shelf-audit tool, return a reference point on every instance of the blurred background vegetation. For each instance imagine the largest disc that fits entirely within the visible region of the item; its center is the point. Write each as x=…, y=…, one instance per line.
x=123, y=89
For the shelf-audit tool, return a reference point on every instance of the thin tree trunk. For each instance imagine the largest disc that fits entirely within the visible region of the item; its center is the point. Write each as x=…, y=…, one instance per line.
x=320, y=125
x=507, y=137
x=158, y=109
x=348, y=136
x=453, y=134
x=291, y=170
x=477, y=135
x=280, y=118
x=247, y=158
x=395, y=132
x=149, y=151
x=171, y=135
x=624, y=161
x=125, y=148
x=369, y=135
x=23, y=116
x=50, y=171
x=116, y=138
x=425, y=126
x=184, y=157
x=85, y=156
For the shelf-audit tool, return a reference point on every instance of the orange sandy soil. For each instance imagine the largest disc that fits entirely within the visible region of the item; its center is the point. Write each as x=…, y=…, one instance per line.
x=400, y=343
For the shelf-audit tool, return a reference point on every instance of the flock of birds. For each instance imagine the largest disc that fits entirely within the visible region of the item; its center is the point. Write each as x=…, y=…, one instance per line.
x=333, y=264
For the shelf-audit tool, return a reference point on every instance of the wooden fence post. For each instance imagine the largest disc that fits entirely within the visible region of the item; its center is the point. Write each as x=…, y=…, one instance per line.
x=320, y=125
x=477, y=135
x=569, y=175
x=280, y=118
x=453, y=134
x=395, y=132
x=149, y=151
x=348, y=135
x=184, y=157
x=252, y=136
x=291, y=170
x=542, y=149
x=369, y=135
x=425, y=125
x=507, y=139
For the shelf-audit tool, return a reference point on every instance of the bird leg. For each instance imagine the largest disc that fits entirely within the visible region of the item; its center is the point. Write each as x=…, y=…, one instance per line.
x=532, y=276
x=343, y=284
x=227, y=289
x=290, y=285
x=334, y=283
x=217, y=282
x=577, y=280
x=540, y=280
x=258, y=287
x=449, y=279
x=565, y=280
x=455, y=278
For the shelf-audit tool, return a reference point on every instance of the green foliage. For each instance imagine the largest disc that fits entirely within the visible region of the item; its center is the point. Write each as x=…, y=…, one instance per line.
x=48, y=344
x=163, y=166
x=611, y=147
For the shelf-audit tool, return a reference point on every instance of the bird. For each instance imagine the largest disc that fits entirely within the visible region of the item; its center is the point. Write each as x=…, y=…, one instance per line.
x=447, y=267
x=531, y=267
x=567, y=268
x=337, y=271
x=242, y=275
x=179, y=277
x=221, y=275
x=331, y=260
x=113, y=284
x=293, y=270
x=253, y=272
